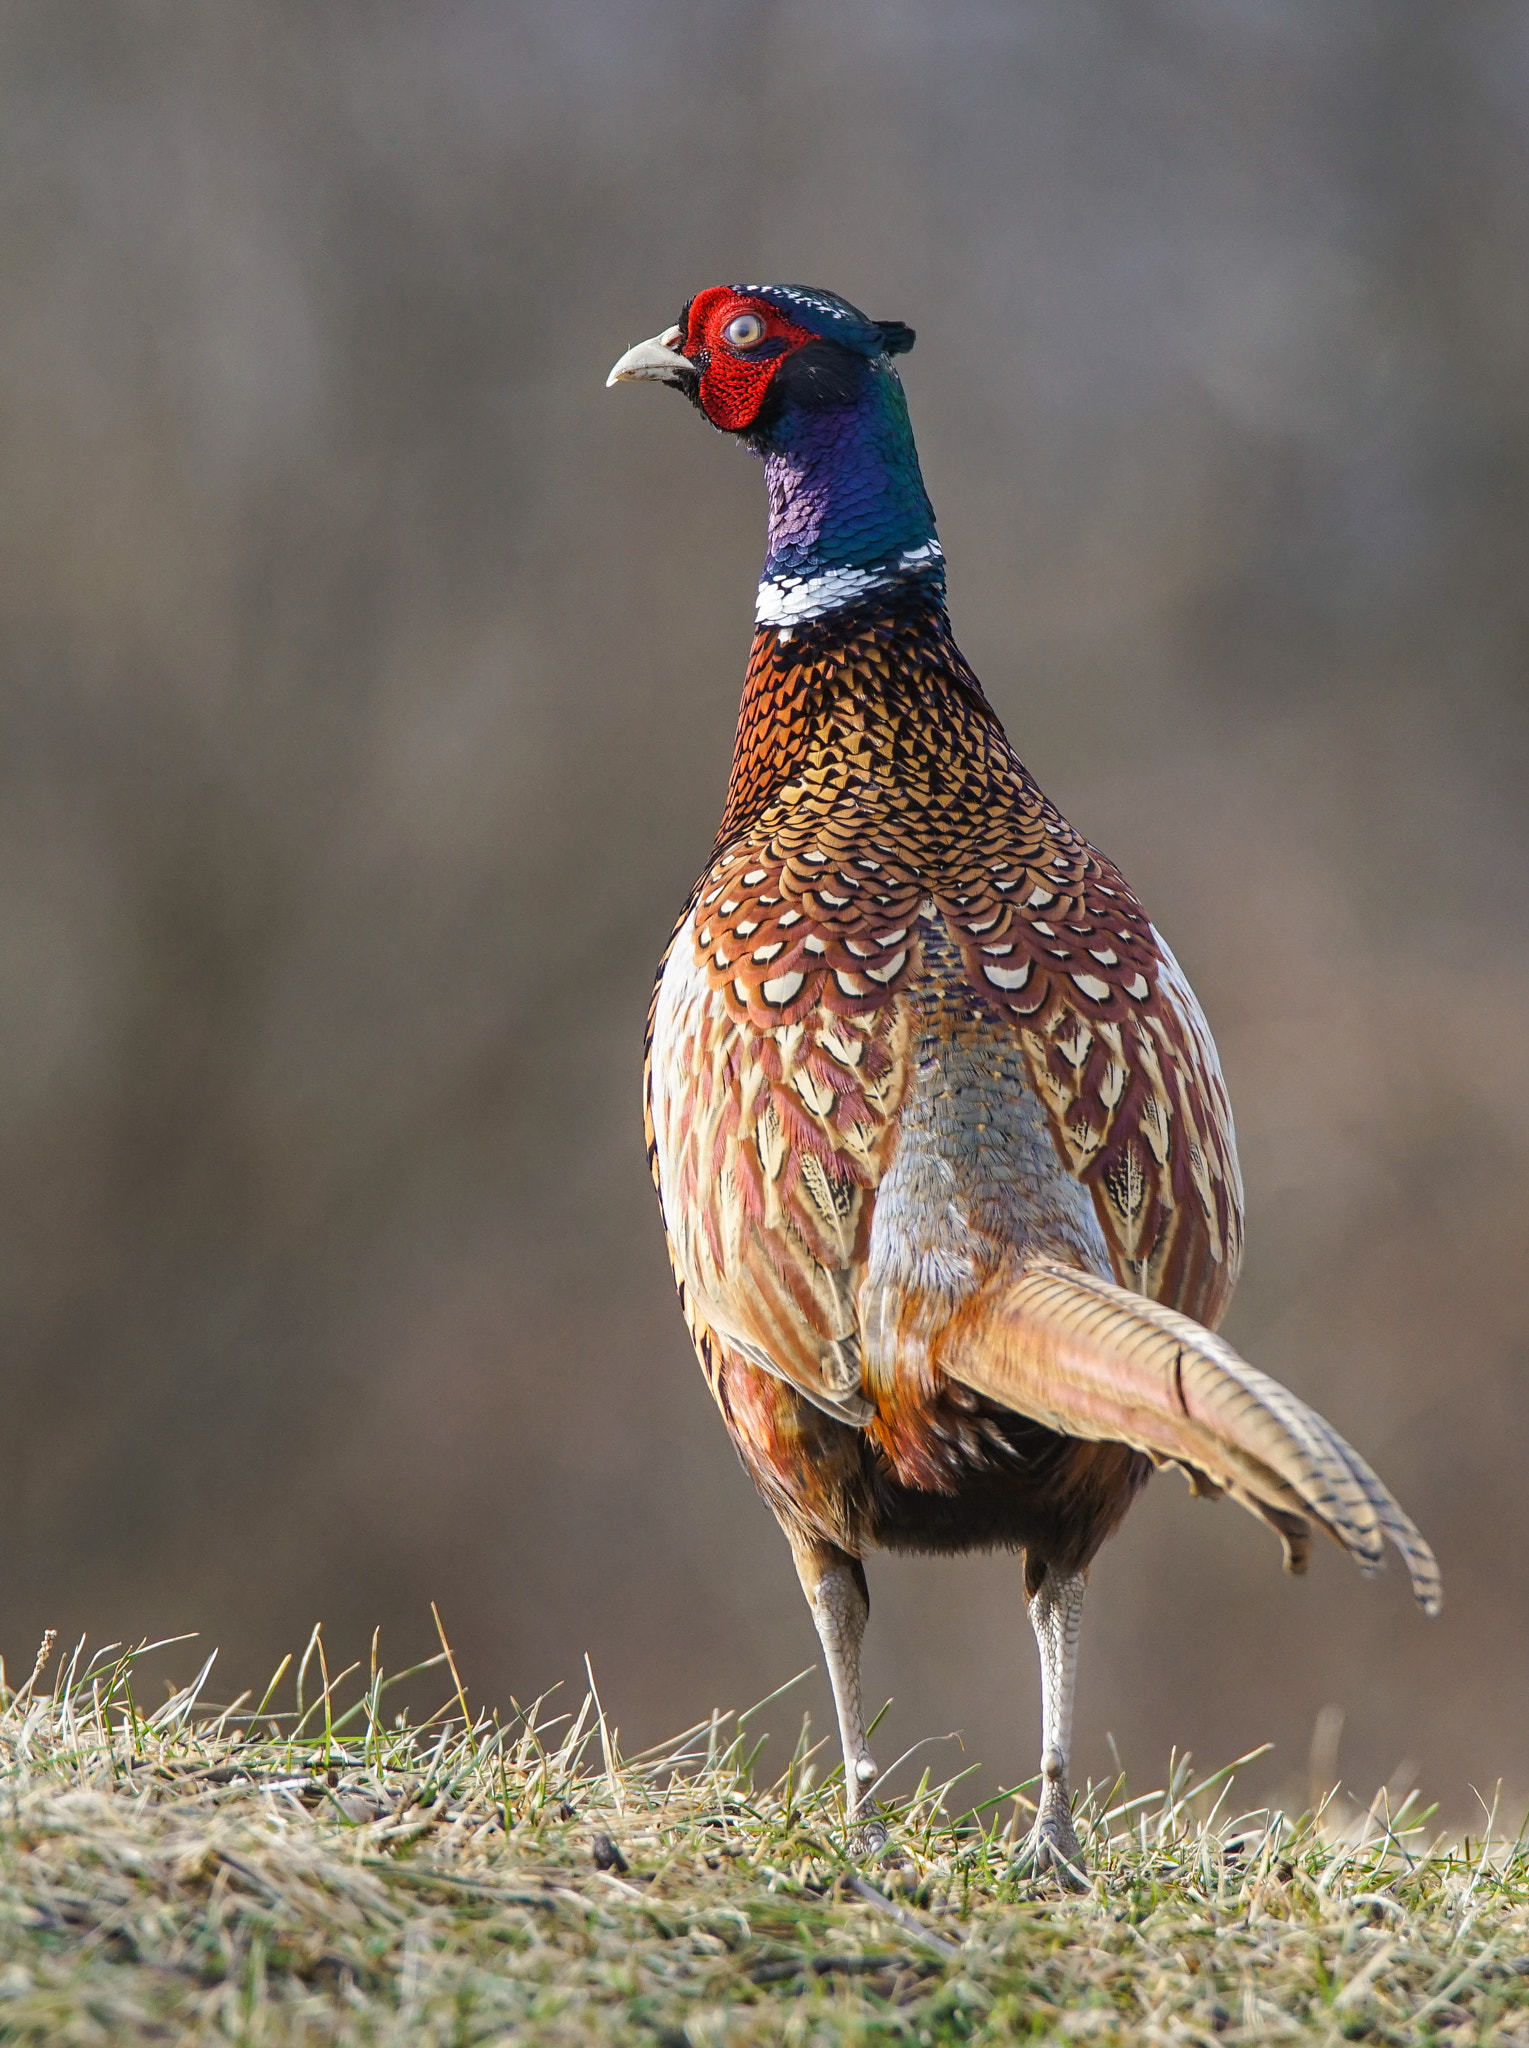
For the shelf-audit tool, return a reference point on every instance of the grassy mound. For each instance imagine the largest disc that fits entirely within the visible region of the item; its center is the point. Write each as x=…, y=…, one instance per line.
x=309, y=1872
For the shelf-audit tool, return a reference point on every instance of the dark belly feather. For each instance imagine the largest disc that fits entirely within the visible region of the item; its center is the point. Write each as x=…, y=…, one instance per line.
x=1003, y=1483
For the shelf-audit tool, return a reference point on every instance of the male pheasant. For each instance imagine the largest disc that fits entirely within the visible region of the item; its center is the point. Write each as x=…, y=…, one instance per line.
x=943, y=1148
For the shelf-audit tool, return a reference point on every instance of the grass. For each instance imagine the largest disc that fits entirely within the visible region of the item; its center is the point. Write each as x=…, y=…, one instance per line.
x=297, y=1870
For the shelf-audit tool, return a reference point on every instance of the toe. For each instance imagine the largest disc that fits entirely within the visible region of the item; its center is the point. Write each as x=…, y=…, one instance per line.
x=1053, y=1850
x=867, y=1840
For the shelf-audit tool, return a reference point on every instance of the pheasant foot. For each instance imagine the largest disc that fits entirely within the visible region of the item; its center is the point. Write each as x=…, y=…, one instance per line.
x=867, y=1839
x=1052, y=1848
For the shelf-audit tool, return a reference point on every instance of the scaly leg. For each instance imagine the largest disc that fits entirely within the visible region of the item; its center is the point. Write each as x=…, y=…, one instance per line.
x=834, y=1583
x=1056, y=1613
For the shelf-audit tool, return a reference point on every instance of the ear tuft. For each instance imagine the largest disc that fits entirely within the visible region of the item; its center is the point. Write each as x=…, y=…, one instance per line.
x=895, y=338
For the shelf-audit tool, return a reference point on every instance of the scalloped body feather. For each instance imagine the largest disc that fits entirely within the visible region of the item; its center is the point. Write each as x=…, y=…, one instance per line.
x=913, y=1038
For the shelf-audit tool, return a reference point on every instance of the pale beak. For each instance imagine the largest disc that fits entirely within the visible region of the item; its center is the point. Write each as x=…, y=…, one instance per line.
x=658, y=359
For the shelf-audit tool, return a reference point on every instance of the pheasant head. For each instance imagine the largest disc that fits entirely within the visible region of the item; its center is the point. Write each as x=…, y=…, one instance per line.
x=807, y=382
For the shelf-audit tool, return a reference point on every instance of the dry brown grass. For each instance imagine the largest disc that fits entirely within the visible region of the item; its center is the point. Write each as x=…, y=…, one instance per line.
x=294, y=1870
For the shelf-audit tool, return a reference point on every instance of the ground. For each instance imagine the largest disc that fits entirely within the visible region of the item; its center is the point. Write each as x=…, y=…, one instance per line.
x=295, y=1870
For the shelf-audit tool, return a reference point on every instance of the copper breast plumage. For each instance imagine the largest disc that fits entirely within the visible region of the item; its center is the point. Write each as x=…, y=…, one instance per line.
x=884, y=852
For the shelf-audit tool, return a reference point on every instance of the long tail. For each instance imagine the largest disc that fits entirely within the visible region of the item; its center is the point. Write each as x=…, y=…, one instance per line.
x=1090, y=1359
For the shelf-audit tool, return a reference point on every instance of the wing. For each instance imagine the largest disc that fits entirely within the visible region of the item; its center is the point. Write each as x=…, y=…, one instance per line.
x=771, y=1118
x=1119, y=1052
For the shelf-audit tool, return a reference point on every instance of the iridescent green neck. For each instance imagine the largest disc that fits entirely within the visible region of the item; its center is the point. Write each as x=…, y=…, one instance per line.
x=848, y=508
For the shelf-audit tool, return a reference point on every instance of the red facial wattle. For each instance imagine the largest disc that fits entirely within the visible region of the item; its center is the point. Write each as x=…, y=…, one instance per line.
x=734, y=381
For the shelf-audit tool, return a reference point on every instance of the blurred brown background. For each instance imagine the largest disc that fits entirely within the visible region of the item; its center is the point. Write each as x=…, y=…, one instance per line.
x=367, y=678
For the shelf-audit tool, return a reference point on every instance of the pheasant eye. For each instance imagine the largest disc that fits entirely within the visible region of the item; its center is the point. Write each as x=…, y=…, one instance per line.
x=746, y=331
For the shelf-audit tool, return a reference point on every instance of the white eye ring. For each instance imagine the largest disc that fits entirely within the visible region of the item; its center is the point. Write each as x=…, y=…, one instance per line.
x=746, y=330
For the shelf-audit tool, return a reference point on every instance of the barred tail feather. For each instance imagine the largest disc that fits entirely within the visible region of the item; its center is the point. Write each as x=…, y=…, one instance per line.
x=1090, y=1359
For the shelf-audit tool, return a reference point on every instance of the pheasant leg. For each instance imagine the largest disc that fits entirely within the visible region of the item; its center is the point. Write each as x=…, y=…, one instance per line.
x=834, y=1583
x=1056, y=1613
